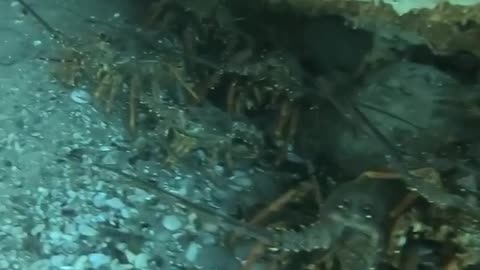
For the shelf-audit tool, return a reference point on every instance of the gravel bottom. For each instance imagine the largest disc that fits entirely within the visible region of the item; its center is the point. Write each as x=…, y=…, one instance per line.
x=58, y=210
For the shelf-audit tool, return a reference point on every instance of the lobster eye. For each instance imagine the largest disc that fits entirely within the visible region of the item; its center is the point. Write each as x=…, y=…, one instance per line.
x=345, y=204
x=367, y=211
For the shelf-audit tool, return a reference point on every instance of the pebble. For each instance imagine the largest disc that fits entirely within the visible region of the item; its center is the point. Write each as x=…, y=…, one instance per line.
x=37, y=43
x=118, y=266
x=139, y=196
x=192, y=252
x=210, y=227
x=57, y=260
x=80, y=263
x=110, y=159
x=171, y=223
x=130, y=256
x=115, y=203
x=141, y=261
x=105, y=148
x=86, y=230
x=97, y=260
x=207, y=239
x=244, y=181
x=126, y=213
x=162, y=236
x=4, y=264
x=55, y=235
x=99, y=200
x=43, y=264
x=241, y=179
x=70, y=228
x=37, y=229
x=80, y=96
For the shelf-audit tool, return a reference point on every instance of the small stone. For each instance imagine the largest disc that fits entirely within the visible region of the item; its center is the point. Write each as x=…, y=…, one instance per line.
x=139, y=196
x=37, y=229
x=130, y=256
x=16, y=230
x=99, y=200
x=219, y=170
x=192, y=252
x=80, y=96
x=125, y=213
x=210, y=227
x=80, y=263
x=39, y=265
x=86, y=230
x=105, y=148
x=115, y=203
x=241, y=179
x=171, y=223
x=4, y=264
x=55, y=235
x=57, y=260
x=207, y=239
x=70, y=228
x=37, y=43
x=71, y=194
x=141, y=261
x=119, y=266
x=162, y=236
x=244, y=181
x=110, y=159
x=98, y=259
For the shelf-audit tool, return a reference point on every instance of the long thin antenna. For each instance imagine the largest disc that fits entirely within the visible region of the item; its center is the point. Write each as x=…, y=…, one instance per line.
x=391, y=115
x=55, y=33
x=151, y=186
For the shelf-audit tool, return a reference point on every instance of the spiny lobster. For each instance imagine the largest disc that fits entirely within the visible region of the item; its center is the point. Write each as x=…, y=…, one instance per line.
x=352, y=221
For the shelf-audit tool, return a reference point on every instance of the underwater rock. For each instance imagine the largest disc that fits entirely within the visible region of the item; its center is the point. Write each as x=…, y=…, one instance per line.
x=413, y=92
x=171, y=223
x=445, y=26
